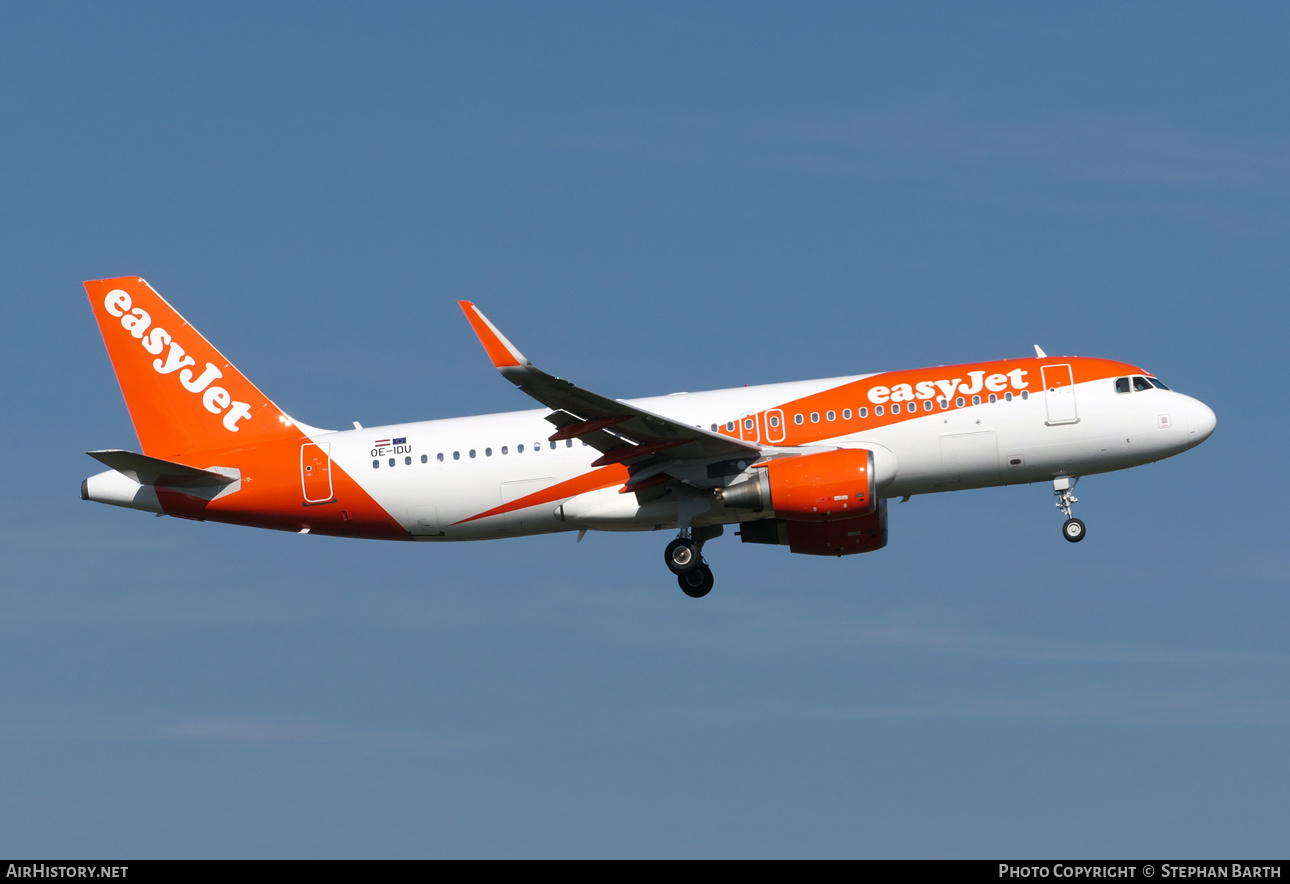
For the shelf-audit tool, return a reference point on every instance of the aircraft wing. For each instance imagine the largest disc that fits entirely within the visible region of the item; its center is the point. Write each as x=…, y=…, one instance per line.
x=622, y=433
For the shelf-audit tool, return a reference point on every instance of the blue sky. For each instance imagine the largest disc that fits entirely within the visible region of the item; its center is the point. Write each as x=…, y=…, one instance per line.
x=649, y=199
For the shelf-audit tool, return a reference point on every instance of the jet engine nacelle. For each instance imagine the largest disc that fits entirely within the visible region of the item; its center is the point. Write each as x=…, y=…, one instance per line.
x=829, y=486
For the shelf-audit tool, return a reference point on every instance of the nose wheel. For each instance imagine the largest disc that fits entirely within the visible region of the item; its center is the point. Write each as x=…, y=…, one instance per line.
x=1072, y=529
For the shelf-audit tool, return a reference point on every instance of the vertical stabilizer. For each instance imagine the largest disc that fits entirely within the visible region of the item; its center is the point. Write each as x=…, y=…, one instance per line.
x=183, y=395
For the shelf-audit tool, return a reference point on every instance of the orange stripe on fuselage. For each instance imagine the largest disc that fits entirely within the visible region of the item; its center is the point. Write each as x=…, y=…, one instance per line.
x=605, y=477
x=271, y=495
x=868, y=393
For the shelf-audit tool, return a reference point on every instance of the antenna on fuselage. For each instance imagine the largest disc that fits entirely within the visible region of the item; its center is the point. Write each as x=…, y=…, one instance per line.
x=1040, y=353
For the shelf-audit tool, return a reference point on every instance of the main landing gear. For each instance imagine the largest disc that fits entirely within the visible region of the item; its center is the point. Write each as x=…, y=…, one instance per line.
x=697, y=583
x=1072, y=529
x=684, y=557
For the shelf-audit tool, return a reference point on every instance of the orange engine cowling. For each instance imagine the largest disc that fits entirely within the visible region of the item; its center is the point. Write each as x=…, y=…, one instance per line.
x=824, y=487
x=837, y=538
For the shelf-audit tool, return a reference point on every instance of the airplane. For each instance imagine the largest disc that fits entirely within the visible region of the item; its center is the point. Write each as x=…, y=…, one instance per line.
x=809, y=464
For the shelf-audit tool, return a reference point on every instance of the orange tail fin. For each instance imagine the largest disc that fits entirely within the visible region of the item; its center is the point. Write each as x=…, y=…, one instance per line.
x=183, y=395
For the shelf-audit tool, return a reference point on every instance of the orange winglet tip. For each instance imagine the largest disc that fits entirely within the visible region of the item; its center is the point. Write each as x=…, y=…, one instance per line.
x=501, y=351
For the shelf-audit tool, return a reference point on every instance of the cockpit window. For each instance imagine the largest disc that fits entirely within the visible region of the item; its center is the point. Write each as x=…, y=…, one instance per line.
x=1156, y=383
x=1121, y=385
x=1140, y=384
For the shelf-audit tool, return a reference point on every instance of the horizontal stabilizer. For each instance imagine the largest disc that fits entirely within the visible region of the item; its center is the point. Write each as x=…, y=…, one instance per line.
x=155, y=471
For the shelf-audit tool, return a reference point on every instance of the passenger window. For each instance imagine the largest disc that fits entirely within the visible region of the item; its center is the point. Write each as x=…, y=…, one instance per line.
x=553, y=446
x=976, y=400
x=927, y=406
x=456, y=455
x=505, y=449
x=391, y=461
x=1007, y=397
x=864, y=412
x=730, y=426
x=846, y=414
x=714, y=428
x=831, y=415
x=376, y=464
x=943, y=403
x=797, y=419
x=748, y=423
x=1140, y=384
x=472, y=452
x=877, y=412
x=439, y=457
x=774, y=421
x=959, y=402
x=993, y=398
x=815, y=417
x=407, y=461
x=425, y=459
x=1121, y=385
x=519, y=449
x=488, y=452
x=568, y=443
x=1025, y=394
x=895, y=408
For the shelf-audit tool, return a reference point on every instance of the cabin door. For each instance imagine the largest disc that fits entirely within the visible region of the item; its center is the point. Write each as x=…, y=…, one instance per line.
x=315, y=473
x=1059, y=394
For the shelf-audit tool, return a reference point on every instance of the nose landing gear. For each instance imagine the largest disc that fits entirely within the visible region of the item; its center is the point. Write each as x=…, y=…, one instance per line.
x=684, y=558
x=1072, y=529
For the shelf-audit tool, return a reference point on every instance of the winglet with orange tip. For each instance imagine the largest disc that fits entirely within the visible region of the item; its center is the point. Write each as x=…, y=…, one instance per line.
x=503, y=353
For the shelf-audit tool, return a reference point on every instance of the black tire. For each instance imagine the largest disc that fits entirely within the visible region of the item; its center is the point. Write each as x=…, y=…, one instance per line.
x=696, y=583
x=682, y=556
x=1073, y=530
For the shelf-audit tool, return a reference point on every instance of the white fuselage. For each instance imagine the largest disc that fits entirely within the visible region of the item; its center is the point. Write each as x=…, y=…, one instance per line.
x=447, y=472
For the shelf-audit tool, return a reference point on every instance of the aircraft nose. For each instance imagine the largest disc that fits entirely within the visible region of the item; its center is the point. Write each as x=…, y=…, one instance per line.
x=1202, y=422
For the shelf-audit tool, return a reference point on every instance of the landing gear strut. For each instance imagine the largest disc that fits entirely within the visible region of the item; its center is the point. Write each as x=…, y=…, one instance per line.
x=1072, y=529
x=684, y=558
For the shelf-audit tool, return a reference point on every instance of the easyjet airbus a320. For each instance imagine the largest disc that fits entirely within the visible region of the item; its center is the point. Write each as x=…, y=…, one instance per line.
x=809, y=465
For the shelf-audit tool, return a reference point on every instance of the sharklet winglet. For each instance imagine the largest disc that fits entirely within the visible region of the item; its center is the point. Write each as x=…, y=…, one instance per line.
x=502, y=352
